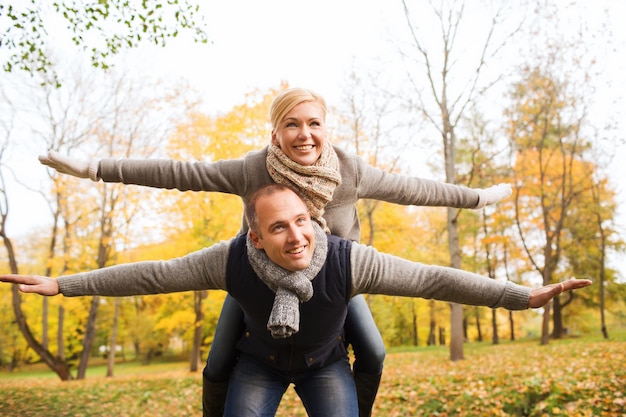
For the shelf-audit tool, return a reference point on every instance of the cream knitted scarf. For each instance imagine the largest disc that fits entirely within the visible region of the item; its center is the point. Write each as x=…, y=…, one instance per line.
x=290, y=288
x=316, y=183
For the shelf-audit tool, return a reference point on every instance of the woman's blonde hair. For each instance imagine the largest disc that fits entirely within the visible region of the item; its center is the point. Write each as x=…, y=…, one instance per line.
x=290, y=98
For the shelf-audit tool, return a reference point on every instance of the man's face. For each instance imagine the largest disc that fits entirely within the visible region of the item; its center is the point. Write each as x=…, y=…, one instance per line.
x=302, y=133
x=285, y=230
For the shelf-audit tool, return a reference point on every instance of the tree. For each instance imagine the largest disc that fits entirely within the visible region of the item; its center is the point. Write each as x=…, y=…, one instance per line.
x=591, y=234
x=549, y=126
x=95, y=116
x=370, y=124
x=127, y=129
x=452, y=92
x=103, y=28
x=197, y=220
x=57, y=364
x=545, y=131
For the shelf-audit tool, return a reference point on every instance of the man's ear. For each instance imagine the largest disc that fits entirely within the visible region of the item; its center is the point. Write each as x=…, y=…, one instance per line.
x=256, y=241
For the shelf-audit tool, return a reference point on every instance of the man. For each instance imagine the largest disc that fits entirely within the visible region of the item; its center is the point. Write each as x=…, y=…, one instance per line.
x=293, y=282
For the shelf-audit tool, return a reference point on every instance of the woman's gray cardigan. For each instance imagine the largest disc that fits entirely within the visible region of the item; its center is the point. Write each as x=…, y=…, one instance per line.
x=246, y=175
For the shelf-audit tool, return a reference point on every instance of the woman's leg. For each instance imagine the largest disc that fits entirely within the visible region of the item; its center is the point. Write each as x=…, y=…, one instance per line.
x=222, y=358
x=369, y=352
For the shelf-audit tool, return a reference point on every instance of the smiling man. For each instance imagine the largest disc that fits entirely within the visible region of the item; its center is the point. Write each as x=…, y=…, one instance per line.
x=294, y=283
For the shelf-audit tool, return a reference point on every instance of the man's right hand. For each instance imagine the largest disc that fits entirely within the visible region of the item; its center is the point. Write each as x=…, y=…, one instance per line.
x=33, y=283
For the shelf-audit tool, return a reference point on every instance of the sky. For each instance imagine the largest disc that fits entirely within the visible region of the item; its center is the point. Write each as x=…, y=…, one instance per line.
x=256, y=44
x=259, y=44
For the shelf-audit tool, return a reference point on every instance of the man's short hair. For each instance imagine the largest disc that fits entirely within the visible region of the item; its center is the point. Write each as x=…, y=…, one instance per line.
x=267, y=190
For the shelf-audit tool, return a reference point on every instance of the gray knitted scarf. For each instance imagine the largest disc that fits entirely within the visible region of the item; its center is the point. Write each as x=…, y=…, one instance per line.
x=290, y=288
x=316, y=183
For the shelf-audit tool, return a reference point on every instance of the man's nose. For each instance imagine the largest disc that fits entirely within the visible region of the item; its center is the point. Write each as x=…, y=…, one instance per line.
x=294, y=234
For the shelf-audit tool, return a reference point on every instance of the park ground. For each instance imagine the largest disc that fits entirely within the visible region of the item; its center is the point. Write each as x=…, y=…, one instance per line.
x=582, y=376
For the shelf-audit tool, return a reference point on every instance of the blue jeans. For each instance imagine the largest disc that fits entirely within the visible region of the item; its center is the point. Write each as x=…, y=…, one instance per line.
x=256, y=389
x=361, y=333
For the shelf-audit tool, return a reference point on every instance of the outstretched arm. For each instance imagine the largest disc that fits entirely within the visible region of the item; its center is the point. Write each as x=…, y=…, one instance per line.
x=33, y=283
x=226, y=176
x=201, y=270
x=378, y=273
x=376, y=184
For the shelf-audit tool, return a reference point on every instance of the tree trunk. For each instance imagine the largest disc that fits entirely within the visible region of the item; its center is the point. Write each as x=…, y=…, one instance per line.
x=511, y=326
x=478, y=329
x=196, y=356
x=456, y=332
x=545, y=324
x=104, y=249
x=495, y=338
x=415, y=334
x=456, y=310
x=60, y=367
x=465, y=326
x=44, y=323
x=432, y=338
x=47, y=272
x=605, y=332
x=546, y=274
x=558, y=331
x=113, y=340
x=90, y=334
x=60, y=342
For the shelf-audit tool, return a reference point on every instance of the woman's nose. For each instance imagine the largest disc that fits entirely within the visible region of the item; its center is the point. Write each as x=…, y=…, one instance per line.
x=305, y=132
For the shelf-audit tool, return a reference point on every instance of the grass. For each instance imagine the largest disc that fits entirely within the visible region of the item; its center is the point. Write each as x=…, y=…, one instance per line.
x=570, y=377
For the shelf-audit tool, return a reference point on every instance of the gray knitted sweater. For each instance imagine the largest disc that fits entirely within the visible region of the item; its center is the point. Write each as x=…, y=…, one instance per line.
x=372, y=273
x=246, y=175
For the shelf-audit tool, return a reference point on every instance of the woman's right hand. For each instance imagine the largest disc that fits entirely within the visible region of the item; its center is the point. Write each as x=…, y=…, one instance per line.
x=75, y=167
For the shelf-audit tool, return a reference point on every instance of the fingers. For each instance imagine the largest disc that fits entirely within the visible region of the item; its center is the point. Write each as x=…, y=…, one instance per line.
x=569, y=285
x=18, y=279
x=504, y=190
x=45, y=160
x=573, y=284
x=52, y=159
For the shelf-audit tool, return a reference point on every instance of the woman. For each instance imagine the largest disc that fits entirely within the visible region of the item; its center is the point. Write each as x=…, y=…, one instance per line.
x=330, y=180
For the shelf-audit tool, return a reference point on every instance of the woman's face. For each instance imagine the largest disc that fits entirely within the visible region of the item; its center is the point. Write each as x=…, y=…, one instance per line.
x=302, y=133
